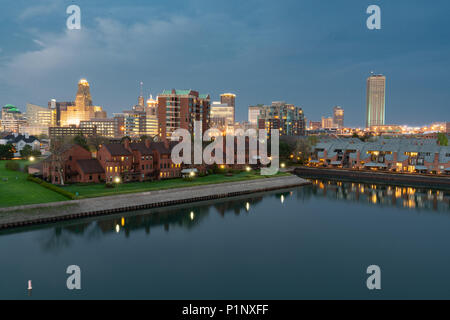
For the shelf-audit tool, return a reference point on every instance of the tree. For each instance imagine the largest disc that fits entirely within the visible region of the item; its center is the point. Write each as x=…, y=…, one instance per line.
x=302, y=151
x=59, y=157
x=95, y=142
x=81, y=141
x=26, y=151
x=442, y=139
x=6, y=151
x=144, y=137
x=285, y=149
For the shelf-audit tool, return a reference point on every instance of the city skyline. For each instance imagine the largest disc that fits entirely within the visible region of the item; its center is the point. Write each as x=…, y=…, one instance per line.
x=229, y=48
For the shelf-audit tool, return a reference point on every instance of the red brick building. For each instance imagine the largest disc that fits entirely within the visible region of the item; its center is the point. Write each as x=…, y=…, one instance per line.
x=180, y=108
x=72, y=164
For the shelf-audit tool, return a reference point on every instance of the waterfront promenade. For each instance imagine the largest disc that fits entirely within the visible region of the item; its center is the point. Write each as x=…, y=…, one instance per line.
x=51, y=212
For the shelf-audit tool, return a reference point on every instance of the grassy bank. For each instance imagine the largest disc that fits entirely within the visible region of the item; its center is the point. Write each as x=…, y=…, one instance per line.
x=98, y=190
x=18, y=191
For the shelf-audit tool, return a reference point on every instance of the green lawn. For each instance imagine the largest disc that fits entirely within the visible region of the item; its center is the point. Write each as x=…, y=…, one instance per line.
x=19, y=191
x=98, y=190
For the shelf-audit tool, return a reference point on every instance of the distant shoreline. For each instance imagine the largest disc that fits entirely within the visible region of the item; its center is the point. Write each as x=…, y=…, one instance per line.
x=403, y=179
x=21, y=216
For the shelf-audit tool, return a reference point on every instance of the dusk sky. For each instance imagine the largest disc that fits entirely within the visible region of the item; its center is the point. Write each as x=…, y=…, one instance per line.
x=313, y=53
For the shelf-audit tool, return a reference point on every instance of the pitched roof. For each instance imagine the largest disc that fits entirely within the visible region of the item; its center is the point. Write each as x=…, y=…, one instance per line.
x=161, y=147
x=117, y=149
x=141, y=147
x=90, y=166
x=14, y=139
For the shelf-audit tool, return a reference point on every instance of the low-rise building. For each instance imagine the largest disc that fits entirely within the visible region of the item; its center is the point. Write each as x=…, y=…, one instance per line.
x=19, y=142
x=400, y=155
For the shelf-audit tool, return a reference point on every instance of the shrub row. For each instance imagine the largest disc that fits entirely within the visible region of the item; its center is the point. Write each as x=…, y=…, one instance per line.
x=52, y=187
x=12, y=165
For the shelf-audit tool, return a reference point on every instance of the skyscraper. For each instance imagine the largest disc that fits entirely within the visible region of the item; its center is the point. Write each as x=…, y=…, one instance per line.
x=83, y=110
x=338, y=117
x=376, y=90
x=230, y=100
x=253, y=114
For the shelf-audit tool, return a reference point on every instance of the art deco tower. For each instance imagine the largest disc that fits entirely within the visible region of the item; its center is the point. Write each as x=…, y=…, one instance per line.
x=376, y=90
x=83, y=98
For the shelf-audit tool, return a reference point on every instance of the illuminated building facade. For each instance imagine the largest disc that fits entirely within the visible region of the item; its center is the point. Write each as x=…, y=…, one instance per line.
x=328, y=123
x=338, y=117
x=376, y=90
x=221, y=115
x=110, y=128
x=83, y=110
x=253, y=114
x=287, y=118
x=39, y=119
x=12, y=119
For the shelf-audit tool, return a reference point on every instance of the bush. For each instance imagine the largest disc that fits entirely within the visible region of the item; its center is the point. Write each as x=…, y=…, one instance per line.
x=52, y=187
x=12, y=165
x=110, y=185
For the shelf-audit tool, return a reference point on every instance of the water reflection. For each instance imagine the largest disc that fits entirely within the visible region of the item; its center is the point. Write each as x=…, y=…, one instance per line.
x=383, y=195
x=57, y=237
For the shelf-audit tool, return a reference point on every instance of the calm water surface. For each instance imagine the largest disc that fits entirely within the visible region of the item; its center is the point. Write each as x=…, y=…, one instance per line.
x=309, y=242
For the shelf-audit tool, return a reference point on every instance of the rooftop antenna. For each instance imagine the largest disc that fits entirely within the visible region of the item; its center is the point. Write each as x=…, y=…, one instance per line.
x=141, y=88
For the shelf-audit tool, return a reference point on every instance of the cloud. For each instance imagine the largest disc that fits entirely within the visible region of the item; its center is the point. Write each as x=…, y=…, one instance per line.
x=39, y=10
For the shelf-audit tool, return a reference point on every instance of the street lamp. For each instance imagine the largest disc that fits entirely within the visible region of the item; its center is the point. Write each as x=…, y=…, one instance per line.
x=117, y=180
x=32, y=159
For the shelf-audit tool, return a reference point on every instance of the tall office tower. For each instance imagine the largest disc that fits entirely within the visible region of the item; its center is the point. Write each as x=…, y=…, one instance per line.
x=83, y=110
x=151, y=113
x=142, y=120
x=287, y=118
x=83, y=97
x=59, y=106
x=39, y=119
x=230, y=100
x=12, y=119
x=328, y=123
x=221, y=115
x=338, y=117
x=253, y=114
x=376, y=90
x=180, y=108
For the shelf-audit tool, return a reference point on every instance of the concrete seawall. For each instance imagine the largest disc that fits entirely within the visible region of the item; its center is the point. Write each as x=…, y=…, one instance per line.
x=412, y=180
x=20, y=216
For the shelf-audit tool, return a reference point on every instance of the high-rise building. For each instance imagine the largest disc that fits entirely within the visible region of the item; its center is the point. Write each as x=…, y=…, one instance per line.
x=151, y=114
x=230, y=100
x=376, y=90
x=180, y=108
x=338, y=117
x=83, y=110
x=253, y=114
x=221, y=115
x=59, y=106
x=287, y=118
x=39, y=119
x=12, y=119
x=328, y=123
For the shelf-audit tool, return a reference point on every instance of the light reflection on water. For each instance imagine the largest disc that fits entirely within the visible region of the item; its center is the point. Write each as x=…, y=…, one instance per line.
x=279, y=244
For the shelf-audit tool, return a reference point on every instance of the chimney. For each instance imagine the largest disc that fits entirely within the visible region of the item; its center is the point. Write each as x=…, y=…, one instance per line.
x=126, y=144
x=27, y=136
x=147, y=143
